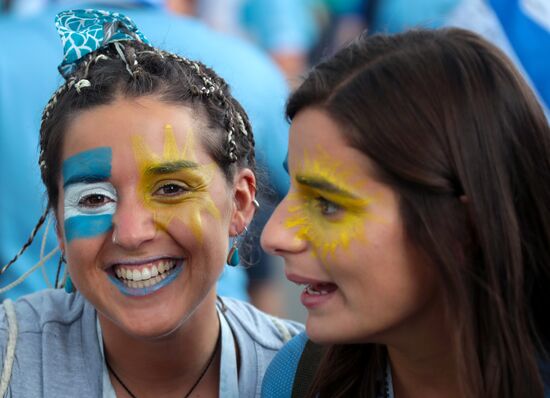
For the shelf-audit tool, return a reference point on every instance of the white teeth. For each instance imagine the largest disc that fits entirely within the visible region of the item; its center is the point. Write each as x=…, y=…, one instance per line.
x=136, y=275
x=142, y=284
x=311, y=290
x=145, y=276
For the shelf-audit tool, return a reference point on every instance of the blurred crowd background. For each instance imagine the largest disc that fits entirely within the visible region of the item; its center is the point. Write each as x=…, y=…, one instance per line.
x=291, y=34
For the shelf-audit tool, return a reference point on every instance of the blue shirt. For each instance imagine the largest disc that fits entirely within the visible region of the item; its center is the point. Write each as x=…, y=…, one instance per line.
x=58, y=354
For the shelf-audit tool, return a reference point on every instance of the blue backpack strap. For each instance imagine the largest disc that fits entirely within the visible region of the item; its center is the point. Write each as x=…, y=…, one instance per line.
x=307, y=367
x=279, y=377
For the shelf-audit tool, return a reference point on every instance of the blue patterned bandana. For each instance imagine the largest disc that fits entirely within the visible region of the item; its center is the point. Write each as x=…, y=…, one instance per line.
x=84, y=31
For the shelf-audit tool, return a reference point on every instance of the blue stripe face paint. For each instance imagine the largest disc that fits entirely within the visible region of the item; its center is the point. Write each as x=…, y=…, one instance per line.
x=89, y=199
x=87, y=226
x=92, y=165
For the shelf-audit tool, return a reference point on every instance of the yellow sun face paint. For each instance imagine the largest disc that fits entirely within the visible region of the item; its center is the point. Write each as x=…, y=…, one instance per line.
x=174, y=184
x=327, y=209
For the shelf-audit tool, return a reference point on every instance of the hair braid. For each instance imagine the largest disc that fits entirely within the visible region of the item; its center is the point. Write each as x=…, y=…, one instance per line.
x=58, y=272
x=213, y=88
x=246, y=138
x=29, y=241
x=75, y=81
x=45, y=116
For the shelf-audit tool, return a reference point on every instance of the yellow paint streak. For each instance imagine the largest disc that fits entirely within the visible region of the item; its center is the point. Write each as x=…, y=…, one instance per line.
x=328, y=233
x=188, y=206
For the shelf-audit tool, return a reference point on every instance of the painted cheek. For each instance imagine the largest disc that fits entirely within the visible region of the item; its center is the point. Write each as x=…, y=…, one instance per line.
x=87, y=226
x=324, y=234
x=187, y=207
x=79, y=172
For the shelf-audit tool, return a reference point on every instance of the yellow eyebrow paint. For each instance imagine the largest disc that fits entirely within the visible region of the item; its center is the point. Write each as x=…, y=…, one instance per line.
x=320, y=179
x=175, y=168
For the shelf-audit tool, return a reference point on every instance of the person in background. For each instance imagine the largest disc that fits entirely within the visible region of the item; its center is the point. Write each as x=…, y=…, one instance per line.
x=520, y=28
x=418, y=223
x=286, y=29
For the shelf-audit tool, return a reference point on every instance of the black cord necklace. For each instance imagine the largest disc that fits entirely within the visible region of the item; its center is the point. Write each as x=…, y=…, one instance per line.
x=386, y=383
x=209, y=363
x=386, y=386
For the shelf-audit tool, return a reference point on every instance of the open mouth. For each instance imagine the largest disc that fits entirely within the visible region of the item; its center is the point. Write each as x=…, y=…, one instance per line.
x=319, y=289
x=316, y=294
x=145, y=278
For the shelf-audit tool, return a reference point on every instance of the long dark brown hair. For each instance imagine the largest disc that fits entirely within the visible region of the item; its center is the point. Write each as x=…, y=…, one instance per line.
x=444, y=116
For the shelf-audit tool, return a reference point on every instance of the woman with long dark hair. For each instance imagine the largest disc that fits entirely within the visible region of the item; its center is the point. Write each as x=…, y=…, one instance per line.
x=419, y=222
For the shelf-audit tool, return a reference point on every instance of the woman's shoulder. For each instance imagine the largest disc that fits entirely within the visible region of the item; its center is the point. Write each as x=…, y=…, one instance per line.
x=279, y=377
x=266, y=330
x=36, y=311
x=259, y=337
x=49, y=343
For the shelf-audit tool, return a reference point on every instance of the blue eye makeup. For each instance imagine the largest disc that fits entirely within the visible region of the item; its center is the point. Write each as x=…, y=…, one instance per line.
x=94, y=198
x=89, y=199
x=88, y=166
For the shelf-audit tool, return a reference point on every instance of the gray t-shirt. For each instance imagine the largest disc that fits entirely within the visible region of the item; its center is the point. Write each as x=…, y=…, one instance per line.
x=57, y=351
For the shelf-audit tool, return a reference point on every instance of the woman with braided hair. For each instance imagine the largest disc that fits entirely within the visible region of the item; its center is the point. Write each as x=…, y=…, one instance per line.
x=148, y=162
x=418, y=220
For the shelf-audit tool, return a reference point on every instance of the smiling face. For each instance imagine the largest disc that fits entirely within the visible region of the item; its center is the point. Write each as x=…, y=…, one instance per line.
x=341, y=235
x=145, y=213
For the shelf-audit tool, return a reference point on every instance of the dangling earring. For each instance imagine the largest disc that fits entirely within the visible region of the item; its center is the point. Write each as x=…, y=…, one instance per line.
x=233, y=255
x=69, y=287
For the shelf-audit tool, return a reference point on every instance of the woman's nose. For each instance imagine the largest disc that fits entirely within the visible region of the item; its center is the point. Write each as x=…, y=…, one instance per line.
x=278, y=239
x=133, y=224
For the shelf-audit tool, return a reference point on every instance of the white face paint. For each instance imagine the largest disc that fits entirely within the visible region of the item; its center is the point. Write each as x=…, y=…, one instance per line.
x=89, y=199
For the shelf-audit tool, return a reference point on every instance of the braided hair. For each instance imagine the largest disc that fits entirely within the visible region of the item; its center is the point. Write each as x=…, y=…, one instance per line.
x=134, y=69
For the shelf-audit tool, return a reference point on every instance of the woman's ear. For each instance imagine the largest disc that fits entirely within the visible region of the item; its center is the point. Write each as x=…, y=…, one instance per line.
x=244, y=195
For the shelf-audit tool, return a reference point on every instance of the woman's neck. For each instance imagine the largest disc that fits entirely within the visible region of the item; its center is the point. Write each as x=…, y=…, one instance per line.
x=423, y=360
x=169, y=364
x=431, y=375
